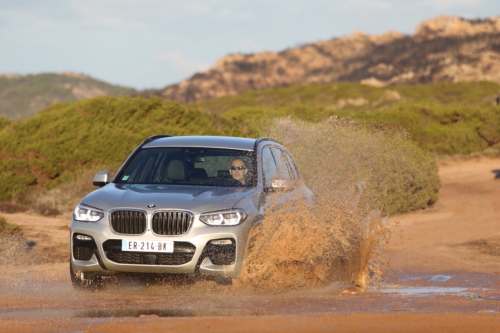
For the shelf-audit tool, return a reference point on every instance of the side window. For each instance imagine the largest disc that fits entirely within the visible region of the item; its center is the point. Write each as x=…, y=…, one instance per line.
x=293, y=167
x=281, y=163
x=268, y=166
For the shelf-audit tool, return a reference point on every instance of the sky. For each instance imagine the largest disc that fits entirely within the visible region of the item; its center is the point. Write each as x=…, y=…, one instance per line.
x=154, y=43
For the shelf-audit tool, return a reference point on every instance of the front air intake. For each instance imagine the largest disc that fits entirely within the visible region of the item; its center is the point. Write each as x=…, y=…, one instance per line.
x=130, y=222
x=171, y=223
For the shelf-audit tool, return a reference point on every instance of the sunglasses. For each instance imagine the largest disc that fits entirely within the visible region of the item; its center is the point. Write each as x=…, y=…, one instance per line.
x=237, y=168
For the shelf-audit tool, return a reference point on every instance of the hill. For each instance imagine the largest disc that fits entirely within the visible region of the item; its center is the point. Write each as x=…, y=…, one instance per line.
x=443, y=49
x=23, y=96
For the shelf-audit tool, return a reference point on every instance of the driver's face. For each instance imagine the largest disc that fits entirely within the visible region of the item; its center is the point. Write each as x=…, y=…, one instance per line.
x=238, y=174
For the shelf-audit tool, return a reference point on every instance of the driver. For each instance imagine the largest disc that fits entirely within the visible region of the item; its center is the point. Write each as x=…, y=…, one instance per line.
x=238, y=170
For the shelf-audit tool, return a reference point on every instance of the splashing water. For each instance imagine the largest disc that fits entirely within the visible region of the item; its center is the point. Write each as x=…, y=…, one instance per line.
x=339, y=238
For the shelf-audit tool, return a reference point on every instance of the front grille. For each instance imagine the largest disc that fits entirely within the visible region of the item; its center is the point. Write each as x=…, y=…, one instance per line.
x=130, y=222
x=171, y=223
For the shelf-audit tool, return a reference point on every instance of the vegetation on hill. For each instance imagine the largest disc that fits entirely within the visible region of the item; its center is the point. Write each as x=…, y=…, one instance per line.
x=4, y=122
x=356, y=96
x=24, y=96
x=52, y=150
x=444, y=118
x=63, y=139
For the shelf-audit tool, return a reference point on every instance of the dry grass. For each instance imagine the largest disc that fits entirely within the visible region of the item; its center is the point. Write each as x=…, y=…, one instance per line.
x=12, y=207
x=9, y=229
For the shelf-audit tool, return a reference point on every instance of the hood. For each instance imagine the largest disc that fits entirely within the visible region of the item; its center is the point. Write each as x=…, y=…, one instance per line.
x=196, y=199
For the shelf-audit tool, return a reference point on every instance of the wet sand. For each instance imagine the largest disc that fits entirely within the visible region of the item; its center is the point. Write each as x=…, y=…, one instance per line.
x=442, y=273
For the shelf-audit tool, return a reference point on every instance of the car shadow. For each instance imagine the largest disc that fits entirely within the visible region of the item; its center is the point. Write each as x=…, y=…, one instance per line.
x=497, y=173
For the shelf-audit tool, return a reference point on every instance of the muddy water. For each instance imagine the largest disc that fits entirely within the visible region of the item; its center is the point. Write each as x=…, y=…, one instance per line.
x=341, y=236
x=45, y=292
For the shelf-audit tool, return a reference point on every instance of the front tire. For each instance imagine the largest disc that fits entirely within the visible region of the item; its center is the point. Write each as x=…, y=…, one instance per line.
x=225, y=281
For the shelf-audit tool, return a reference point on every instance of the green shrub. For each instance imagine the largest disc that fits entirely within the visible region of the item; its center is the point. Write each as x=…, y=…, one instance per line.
x=64, y=139
x=4, y=122
x=445, y=129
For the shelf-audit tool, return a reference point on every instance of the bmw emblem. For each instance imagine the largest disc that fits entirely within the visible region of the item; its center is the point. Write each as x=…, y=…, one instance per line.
x=151, y=206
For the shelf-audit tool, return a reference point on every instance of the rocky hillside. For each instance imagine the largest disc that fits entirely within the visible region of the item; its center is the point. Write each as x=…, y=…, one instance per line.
x=23, y=96
x=443, y=49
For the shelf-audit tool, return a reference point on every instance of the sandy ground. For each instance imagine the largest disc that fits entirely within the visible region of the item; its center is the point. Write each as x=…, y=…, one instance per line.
x=448, y=236
x=442, y=273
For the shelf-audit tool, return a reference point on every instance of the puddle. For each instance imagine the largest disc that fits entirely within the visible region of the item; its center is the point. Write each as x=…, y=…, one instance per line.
x=455, y=279
x=419, y=290
x=440, y=278
x=424, y=291
x=117, y=313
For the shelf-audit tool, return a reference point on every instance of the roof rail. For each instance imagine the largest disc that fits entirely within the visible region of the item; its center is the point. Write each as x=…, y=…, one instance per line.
x=154, y=137
x=259, y=140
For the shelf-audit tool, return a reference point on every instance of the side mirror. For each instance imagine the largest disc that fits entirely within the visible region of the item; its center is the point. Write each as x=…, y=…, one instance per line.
x=101, y=178
x=277, y=185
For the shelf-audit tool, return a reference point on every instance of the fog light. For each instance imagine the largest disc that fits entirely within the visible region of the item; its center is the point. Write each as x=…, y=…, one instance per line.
x=221, y=242
x=84, y=237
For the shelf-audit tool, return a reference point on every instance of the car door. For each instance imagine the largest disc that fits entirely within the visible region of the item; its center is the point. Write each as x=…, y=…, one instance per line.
x=281, y=180
x=299, y=187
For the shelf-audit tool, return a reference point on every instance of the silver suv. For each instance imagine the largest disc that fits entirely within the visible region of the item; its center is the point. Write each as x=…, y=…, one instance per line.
x=179, y=206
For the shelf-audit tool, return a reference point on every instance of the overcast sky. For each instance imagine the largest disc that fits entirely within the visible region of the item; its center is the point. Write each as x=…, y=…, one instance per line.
x=154, y=43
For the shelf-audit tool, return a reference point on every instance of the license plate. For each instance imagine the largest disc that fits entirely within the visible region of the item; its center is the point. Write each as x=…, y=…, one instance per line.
x=148, y=246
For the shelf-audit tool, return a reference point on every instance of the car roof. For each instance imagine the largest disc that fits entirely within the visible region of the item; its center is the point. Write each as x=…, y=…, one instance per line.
x=203, y=141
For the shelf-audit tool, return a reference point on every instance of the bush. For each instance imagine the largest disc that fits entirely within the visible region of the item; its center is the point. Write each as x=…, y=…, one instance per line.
x=64, y=139
x=4, y=122
x=7, y=229
x=443, y=129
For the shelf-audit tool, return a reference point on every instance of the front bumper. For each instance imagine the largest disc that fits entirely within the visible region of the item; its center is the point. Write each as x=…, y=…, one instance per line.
x=193, y=252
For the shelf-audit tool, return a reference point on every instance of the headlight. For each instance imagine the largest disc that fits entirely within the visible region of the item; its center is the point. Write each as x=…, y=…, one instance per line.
x=87, y=214
x=230, y=217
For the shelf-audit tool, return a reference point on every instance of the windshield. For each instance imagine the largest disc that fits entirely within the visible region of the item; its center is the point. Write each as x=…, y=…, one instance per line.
x=191, y=166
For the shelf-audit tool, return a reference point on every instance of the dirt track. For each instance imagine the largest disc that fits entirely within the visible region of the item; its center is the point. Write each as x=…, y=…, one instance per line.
x=442, y=272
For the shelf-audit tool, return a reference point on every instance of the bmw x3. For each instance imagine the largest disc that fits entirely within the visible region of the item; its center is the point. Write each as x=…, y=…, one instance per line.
x=180, y=205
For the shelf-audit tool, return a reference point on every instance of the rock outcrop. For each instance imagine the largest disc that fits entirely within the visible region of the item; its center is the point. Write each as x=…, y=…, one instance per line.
x=443, y=49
